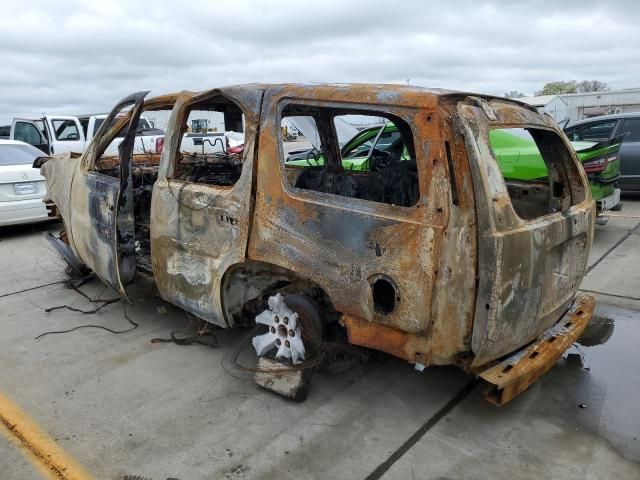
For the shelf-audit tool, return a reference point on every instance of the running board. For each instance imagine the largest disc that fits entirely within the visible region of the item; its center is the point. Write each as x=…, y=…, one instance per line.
x=515, y=374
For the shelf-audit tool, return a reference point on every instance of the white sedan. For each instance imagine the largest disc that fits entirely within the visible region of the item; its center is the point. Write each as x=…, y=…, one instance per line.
x=21, y=186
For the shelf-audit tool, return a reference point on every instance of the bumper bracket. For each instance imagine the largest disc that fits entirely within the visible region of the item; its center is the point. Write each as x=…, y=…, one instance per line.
x=516, y=373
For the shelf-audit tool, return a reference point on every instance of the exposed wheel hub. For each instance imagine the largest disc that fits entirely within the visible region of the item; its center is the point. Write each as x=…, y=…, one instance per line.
x=285, y=332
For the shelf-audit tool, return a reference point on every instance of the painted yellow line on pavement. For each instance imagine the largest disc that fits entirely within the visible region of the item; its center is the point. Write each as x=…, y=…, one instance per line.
x=41, y=450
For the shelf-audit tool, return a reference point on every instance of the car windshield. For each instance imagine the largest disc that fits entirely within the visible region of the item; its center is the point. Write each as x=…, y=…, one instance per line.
x=142, y=125
x=16, y=154
x=384, y=141
x=591, y=132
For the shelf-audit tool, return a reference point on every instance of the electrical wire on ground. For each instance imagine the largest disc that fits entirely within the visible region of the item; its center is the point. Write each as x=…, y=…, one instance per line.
x=194, y=337
x=75, y=285
x=326, y=356
x=134, y=325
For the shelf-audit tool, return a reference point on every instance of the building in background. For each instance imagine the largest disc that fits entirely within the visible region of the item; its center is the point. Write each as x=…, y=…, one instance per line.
x=572, y=107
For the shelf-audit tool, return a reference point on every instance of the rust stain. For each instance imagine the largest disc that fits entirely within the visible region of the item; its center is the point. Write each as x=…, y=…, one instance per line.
x=413, y=348
x=37, y=445
x=515, y=374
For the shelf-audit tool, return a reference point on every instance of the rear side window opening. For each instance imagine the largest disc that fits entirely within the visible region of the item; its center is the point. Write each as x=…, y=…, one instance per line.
x=538, y=170
x=206, y=155
x=351, y=153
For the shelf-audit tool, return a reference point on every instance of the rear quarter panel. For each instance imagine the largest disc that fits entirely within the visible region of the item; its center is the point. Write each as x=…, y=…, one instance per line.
x=529, y=271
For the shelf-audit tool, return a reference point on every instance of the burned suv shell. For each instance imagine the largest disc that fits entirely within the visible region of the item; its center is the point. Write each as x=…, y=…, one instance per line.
x=469, y=270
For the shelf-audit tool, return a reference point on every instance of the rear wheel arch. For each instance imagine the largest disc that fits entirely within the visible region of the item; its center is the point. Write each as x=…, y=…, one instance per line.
x=247, y=281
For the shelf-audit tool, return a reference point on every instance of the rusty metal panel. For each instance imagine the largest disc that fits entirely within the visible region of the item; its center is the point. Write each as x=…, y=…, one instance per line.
x=454, y=292
x=58, y=173
x=342, y=244
x=412, y=348
x=529, y=271
x=198, y=231
x=516, y=373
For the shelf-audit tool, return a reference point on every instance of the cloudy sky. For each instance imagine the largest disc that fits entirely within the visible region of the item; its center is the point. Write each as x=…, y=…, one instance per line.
x=82, y=56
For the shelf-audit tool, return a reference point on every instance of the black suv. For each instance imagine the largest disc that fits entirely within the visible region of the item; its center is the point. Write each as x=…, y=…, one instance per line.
x=598, y=129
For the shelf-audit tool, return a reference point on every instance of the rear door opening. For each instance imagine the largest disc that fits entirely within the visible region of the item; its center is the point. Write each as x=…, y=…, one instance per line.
x=202, y=200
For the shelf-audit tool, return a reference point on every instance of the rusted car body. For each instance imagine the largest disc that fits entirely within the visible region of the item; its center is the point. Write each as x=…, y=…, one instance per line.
x=467, y=268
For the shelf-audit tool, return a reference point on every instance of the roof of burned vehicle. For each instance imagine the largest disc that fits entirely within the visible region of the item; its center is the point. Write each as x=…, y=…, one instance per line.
x=368, y=92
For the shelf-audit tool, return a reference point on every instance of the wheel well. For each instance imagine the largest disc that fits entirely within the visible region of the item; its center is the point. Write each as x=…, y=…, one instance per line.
x=246, y=287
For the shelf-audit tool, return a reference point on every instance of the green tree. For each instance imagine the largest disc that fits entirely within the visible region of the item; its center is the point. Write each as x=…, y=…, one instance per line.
x=559, y=87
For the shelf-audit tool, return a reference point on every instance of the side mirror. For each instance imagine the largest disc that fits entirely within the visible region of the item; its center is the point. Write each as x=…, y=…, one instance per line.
x=39, y=161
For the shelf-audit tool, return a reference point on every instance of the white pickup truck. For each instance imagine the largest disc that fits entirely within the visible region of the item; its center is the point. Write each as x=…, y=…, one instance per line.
x=57, y=134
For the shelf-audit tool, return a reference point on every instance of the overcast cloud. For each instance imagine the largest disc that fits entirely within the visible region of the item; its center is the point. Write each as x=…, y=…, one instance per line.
x=82, y=56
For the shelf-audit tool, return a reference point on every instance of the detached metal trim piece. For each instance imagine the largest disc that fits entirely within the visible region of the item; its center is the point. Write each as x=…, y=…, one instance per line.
x=413, y=348
x=514, y=375
x=67, y=254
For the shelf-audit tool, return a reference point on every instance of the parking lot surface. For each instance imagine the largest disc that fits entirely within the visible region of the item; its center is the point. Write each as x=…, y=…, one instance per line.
x=118, y=404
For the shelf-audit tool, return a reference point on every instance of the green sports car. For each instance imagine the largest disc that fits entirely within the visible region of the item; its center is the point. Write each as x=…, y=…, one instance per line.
x=520, y=159
x=358, y=152
x=515, y=150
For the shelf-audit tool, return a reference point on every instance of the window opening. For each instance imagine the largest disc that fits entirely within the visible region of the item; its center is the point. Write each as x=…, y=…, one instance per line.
x=212, y=145
x=537, y=167
x=357, y=154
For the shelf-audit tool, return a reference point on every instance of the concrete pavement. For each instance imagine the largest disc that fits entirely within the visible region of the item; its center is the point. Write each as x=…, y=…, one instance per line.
x=121, y=405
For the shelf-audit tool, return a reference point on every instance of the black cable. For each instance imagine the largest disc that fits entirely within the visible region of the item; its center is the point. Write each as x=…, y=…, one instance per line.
x=193, y=338
x=117, y=332
x=32, y=288
x=75, y=285
x=72, y=284
x=85, y=312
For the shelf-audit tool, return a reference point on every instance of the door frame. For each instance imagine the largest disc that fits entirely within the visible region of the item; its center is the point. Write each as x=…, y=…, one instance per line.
x=345, y=245
x=199, y=231
x=45, y=147
x=64, y=146
x=101, y=217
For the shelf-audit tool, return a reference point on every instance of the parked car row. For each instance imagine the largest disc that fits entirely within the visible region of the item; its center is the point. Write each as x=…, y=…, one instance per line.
x=608, y=147
x=515, y=150
x=607, y=128
x=57, y=135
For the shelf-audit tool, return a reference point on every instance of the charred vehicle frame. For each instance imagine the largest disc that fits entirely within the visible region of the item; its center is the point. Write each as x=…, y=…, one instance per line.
x=436, y=259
